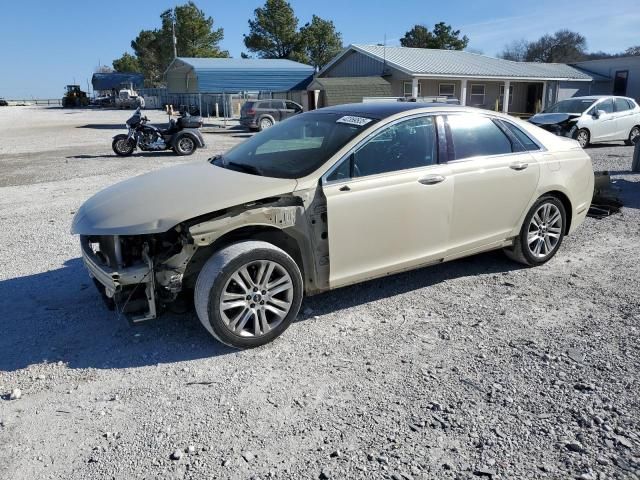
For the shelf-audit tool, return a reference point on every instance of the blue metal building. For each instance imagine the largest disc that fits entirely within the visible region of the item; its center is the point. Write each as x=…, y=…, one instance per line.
x=235, y=75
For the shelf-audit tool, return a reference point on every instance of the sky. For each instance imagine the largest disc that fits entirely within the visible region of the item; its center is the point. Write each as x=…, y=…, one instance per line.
x=47, y=44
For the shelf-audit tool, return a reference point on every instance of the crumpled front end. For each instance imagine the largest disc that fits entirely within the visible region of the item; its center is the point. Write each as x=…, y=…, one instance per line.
x=136, y=275
x=561, y=124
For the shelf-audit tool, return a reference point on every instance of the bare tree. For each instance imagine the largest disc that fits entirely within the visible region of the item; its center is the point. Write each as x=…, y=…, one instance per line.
x=515, y=51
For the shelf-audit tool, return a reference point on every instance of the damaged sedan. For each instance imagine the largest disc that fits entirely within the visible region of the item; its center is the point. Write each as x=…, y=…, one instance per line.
x=326, y=199
x=592, y=119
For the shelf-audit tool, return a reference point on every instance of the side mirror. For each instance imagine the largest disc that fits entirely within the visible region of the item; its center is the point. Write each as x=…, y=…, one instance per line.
x=598, y=113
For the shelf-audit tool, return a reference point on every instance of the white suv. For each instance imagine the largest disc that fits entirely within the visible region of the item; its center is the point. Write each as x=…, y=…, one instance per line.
x=592, y=119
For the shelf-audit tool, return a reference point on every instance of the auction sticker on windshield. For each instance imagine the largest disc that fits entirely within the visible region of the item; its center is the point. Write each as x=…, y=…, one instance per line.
x=351, y=120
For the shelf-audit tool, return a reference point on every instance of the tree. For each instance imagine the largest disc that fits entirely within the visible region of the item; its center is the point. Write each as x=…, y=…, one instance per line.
x=153, y=49
x=632, y=50
x=273, y=32
x=515, y=51
x=443, y=37
x=127, y=63
x=321, y=41
x=564, y=46
x=103, y=69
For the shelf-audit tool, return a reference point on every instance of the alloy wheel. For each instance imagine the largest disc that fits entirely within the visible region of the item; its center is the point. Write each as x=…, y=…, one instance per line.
x=256, y=298
x=265, y=123
x=185, y=145
x=583, y=138
x=545, y=230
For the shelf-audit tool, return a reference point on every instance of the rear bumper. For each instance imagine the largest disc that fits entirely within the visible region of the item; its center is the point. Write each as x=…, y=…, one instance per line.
x=250, y=122
x=115, y=282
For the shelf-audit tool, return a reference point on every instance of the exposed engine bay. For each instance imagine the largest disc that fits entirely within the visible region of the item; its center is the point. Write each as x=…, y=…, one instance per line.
x=562, y=124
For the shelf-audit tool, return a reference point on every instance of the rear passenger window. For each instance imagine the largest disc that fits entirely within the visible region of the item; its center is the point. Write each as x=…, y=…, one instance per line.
x=622, y=105
x=475, y=136
x=524, y=140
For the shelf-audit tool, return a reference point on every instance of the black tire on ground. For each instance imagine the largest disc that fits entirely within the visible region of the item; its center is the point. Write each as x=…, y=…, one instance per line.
x=634, y=136
x=583, y=137
x=521, y=250
x=216, y=275
x=264, y=123
x=122, y=146
x=185, y=145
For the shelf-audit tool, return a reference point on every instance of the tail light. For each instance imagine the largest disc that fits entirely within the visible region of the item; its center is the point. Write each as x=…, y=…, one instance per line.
x=251, y=111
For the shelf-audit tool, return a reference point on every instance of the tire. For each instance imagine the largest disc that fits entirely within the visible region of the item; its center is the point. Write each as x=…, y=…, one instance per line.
x=244, y=322
x=185, y=146
x=525, y=246
x=122, y=146
x=264, y=123
x=634, y=134
x=583, y=137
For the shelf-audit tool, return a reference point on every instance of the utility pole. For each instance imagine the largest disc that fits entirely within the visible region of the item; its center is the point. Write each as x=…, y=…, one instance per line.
x=175, y=41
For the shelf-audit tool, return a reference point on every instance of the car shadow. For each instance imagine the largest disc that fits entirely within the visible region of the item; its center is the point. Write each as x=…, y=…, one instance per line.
x=58, y=316
x=103, y=126
x=629, y=192
x=112, y=155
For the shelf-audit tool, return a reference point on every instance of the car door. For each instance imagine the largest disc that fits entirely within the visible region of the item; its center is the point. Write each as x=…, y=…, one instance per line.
x=388, y=203
x=625, y=118
x=602, y=123
x=289, y=110
x=495, y=177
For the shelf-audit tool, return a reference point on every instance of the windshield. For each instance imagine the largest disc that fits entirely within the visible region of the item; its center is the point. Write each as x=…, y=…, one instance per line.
x=572, y=105
x=296, y=147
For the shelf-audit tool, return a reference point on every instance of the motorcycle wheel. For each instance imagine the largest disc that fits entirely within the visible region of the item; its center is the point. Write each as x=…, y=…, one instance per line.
x=185, y=146
x=123, y=146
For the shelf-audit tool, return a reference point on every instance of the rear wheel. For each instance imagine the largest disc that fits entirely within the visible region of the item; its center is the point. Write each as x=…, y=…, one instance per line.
x=265, y=123
x=541, y=233
x=185, y=146
x=123, y=146
x=583, y=137
x=248, y=293
x=634, y=136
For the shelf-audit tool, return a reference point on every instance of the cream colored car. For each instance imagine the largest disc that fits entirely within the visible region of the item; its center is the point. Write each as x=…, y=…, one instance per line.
x=326, y=199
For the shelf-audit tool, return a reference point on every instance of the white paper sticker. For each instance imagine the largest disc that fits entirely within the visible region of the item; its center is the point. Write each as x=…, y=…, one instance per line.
x=351, y=120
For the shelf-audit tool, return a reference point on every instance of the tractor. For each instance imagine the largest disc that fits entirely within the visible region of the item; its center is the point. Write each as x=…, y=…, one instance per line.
x=74, y=97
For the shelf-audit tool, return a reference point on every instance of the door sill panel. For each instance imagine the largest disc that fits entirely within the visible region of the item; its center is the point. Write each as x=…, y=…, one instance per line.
x=484, y=248
x=384, y=272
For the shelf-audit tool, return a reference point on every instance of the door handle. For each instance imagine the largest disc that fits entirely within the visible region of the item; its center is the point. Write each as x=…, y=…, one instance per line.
x=344, y=188
x=518, y=166
x=431, y=179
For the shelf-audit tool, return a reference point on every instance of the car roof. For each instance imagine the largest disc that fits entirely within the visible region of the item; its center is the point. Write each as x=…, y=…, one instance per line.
x=379, y=110
x=597, y=97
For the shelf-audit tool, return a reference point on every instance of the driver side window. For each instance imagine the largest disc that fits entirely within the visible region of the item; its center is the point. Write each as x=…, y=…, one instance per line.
x=401, y=146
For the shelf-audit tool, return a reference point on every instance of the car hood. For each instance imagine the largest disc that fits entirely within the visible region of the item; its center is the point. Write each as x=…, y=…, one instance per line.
x=552, y=118
x=159, y=200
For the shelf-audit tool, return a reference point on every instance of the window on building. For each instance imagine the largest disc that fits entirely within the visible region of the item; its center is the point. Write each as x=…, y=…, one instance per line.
x=475, y=136
x=408, y=89
x=620, y=82
x=477, y=94
x=447, y=90
x=510, y=94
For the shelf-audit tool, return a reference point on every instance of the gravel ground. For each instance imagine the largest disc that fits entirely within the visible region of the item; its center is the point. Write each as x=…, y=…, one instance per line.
x=473, y=369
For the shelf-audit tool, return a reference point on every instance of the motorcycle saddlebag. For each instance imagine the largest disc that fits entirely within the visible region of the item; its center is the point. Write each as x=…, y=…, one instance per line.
x=190, y=122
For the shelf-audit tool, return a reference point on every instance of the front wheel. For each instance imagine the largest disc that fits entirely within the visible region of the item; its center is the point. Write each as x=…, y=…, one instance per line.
x=248, y=293
x=541, y=233
x=185, y=146
x=583, y=137
x=123, y=146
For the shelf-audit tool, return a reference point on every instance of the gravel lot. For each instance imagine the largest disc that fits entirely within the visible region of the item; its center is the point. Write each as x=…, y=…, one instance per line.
x=474, y=369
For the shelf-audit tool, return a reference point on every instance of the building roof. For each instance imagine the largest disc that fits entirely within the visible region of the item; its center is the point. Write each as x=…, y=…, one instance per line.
x=461, y=64
x=107, y=81
x=217, y=75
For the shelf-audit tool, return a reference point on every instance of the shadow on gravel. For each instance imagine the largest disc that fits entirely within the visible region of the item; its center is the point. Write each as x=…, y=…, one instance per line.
x=59, y=316
x=347, y=297
x=629, y=192
x=103, y=126
x=112, y=155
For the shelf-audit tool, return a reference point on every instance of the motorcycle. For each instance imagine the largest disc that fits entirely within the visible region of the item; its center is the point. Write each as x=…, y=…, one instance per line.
x=183, y=136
